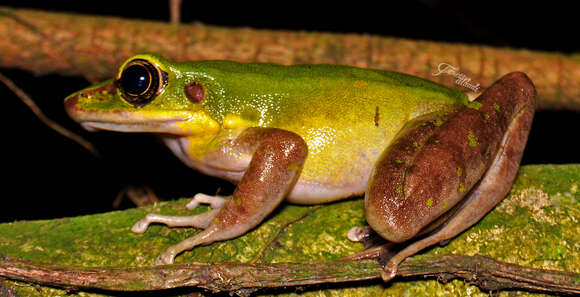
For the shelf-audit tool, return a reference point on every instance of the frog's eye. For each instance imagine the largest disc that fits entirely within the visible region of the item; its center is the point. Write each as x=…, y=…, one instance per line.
x=139, y=82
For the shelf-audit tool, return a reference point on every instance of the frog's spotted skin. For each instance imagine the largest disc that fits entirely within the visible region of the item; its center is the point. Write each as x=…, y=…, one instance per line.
x=316, y=133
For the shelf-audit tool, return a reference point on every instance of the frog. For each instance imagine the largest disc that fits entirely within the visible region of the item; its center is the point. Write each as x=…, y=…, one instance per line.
x=429, y=161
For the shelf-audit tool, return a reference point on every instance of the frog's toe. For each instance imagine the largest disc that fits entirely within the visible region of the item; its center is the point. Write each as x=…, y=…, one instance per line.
x=215, y=202
x=141, y=226
x=389, y=272
x=358, y=233
x=200, y=221
x=165, y=258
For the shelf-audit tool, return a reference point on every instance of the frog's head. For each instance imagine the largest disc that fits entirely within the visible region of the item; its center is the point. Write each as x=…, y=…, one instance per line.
x=149, y=94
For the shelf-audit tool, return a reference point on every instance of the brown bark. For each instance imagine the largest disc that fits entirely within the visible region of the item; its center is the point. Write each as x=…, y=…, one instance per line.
x=486, y=273
x=44, y=42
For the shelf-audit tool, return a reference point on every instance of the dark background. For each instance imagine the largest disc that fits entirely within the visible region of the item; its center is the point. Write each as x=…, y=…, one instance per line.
x=48, y=176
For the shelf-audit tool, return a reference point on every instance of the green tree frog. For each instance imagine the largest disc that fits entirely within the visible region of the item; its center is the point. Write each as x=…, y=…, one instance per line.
x=429, y=162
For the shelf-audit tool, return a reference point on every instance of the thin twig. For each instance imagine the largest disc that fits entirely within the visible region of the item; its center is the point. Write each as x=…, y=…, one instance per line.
x=486, y=273
x=175, y=11
x=44, y=119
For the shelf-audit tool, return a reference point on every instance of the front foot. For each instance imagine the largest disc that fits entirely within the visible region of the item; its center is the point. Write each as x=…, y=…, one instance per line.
x=200, y=221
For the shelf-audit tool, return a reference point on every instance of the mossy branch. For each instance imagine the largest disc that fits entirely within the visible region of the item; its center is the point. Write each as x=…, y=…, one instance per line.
x=486, y=273
x=535, y=228
x=47, y=42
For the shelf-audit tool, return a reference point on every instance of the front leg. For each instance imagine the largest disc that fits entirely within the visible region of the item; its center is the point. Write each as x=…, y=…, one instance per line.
x=442, y=176
x=276, y=162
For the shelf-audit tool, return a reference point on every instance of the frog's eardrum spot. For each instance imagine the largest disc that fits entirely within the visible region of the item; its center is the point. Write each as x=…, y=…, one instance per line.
x=194, y=92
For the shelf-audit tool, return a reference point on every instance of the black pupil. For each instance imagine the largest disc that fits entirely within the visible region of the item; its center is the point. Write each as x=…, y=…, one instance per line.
x=135, y=79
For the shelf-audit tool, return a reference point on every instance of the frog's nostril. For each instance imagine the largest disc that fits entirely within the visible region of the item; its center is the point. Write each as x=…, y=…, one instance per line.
x=71, y=103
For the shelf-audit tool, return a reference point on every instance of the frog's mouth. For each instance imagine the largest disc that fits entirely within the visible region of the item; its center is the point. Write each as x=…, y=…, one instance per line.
x=176, y=122
x=181, y=124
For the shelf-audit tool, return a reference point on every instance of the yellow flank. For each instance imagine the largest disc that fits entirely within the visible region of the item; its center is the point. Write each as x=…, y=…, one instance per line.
x=340, y=129
x=340, y=156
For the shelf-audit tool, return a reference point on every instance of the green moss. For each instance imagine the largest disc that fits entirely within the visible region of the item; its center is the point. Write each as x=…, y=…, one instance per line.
x=475, y=105
x=399, y=189
x=437, y=122
x=536, y=225
x=471, y=138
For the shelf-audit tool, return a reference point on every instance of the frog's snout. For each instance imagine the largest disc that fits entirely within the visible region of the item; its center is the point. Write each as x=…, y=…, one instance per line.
x=72, y=103
x=101, y=108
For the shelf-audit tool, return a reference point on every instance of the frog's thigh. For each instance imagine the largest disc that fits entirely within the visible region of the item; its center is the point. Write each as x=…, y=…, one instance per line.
x=275, y=166
x=507, y=110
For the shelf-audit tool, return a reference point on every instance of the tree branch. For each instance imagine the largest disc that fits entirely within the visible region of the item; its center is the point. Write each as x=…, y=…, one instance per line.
x=45, y=42
x=536, y=223
x=486, y=273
